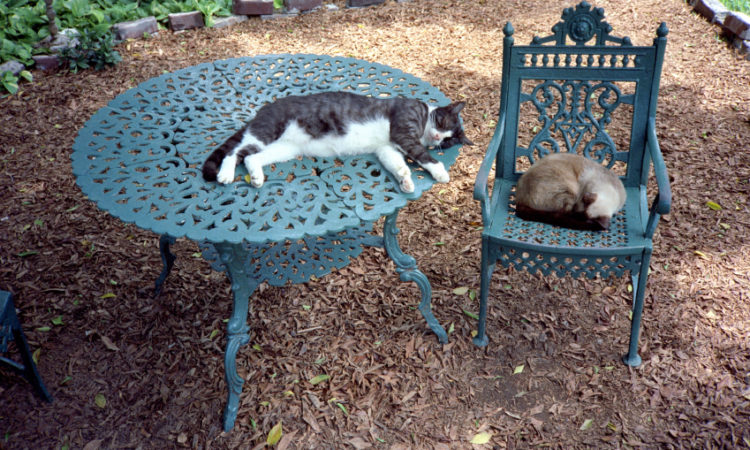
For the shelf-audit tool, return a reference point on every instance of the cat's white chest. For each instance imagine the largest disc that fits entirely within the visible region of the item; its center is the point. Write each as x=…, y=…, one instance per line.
x=358, y=138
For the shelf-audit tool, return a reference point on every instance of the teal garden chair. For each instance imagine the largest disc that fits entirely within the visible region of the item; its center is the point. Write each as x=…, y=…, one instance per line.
x=579, y=90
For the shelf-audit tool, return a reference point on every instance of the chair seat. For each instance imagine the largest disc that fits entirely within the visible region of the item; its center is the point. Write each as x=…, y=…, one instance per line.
x=552, y=249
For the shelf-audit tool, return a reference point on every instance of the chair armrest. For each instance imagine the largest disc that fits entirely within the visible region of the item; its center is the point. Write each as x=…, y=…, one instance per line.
x=481, y=192
x=663, y=201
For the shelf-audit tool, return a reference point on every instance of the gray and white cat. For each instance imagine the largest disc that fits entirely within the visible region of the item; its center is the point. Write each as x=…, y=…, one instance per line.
x=332, y=124
x=569, y=190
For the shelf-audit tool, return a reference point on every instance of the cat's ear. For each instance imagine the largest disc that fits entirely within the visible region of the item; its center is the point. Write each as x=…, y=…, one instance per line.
x=456, y=108
x=589, y=198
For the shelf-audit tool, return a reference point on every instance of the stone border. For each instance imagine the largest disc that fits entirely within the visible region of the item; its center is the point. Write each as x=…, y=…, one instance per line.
x=735, y=25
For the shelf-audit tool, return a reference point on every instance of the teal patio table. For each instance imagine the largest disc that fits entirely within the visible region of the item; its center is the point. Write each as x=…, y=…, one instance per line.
x=139, y=158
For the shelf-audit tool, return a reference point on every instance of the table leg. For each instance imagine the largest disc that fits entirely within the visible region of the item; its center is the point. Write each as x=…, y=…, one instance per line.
x=234, y=256
x=406, y=266
x=167, y=259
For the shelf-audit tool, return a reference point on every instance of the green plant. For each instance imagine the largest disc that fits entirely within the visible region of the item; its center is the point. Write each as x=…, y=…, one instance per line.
x=95, y=50
x=10, y=81
x=208, y=9
x=22, y=24
x=742, y=6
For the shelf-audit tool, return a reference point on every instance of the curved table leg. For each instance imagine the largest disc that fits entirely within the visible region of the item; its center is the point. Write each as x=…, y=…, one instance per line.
x=406, y=266
x=233, y=256
x=167, y=259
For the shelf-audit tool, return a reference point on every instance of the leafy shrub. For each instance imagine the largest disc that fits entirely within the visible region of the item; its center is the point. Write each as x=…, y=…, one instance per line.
x=94, y=50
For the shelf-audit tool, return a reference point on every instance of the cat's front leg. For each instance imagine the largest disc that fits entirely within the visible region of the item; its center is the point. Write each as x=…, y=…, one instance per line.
x=438, y=172
x=255, y=170
x=394, y=162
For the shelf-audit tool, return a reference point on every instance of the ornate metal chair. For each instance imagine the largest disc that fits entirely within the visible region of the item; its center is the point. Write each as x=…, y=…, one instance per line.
x=10, y=329
x=599, y=101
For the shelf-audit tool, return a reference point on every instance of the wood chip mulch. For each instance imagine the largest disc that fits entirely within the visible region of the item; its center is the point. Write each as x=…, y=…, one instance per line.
x=158, y=363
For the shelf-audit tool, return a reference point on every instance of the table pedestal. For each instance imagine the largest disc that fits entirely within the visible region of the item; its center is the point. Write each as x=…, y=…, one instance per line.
x=247, y=265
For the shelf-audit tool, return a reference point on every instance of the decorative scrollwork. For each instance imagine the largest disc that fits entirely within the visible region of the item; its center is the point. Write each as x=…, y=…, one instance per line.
x=296, y=261
x=581, y=24
x=574, y=115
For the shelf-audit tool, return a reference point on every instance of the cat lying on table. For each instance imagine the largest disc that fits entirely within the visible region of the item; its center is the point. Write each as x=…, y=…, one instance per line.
x=332, y=124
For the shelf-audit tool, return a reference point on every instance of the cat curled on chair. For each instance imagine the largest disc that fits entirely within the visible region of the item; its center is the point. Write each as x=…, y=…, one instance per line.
x=571, y=191
x=332, y=124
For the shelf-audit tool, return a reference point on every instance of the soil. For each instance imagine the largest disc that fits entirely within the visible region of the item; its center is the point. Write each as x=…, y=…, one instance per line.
x=551, y=374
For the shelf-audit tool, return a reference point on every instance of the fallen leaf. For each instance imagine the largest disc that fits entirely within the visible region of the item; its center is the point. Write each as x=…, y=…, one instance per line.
x=109, y=344
x=359, y=443
x=319, y=379
x=93, y=445
x=274, y=435
x=481, y=438
x=100, y=400
x=586, y=424
x=518, y=369
x=713, y=205
x=701, y=254
x=461, y=290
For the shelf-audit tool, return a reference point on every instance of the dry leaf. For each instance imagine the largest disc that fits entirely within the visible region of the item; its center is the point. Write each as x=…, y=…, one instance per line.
x=109, y=344
x=481, y=438
x=93, y=445
x=359, y=443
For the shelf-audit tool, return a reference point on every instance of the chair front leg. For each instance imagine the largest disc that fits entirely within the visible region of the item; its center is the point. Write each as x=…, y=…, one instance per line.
x=639, y=292
x=487, y=267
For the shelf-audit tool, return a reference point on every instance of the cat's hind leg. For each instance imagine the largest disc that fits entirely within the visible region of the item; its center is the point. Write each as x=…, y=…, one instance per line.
x=273, y=153
x=394, y=162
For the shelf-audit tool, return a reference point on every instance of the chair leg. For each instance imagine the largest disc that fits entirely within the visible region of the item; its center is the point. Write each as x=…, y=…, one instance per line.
x=639, y=292
x=488, y=265
x=27, y=369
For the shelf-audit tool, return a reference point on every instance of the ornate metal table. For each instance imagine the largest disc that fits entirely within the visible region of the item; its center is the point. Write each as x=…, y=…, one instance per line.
x=139, y=158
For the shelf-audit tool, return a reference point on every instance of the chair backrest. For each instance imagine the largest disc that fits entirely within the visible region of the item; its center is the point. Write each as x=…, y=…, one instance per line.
x=595, y=100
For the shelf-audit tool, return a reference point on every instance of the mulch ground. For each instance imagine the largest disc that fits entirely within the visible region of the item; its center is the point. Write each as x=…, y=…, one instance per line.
x=158, y=363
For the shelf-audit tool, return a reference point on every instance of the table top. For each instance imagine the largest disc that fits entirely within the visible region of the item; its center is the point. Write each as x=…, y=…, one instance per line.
x=140, y=157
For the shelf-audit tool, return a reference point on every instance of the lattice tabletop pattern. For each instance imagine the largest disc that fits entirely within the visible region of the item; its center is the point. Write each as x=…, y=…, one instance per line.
x=139, y=158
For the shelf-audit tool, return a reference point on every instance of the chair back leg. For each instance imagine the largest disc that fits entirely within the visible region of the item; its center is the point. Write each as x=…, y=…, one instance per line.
x=10, y=327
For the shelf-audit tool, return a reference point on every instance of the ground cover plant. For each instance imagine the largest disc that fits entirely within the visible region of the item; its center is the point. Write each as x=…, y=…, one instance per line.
x=347, y=361
x=24, y=26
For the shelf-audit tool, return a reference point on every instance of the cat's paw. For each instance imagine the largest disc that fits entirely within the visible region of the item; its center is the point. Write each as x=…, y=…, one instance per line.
x=257, y=180
x=438, y=172
x=441, y=177
x=225, y=176
x=407, y=185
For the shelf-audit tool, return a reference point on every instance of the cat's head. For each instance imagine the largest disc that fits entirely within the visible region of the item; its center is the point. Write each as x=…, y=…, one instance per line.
x=600, y=207
x=446, y=130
